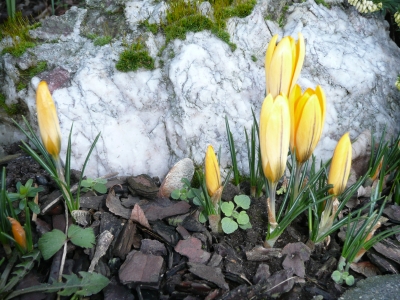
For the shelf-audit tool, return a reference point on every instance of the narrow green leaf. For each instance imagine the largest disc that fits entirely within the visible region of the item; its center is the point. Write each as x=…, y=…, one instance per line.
x=81, y=237
x=51, y=242
x=34, y=207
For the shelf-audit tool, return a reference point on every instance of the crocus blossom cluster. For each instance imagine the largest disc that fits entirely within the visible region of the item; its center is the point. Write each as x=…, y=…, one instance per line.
x=365, y=6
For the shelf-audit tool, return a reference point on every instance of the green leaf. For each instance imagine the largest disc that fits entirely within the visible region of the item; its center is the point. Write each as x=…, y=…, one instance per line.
x=34, y=207
x=22, y=204
x=71, y=286
x=86, y=183
x=93, y=283
x=197, y=202
x=202, y=217
x=228, y=225
x=242, y=201
x=100, y=188
x=336, y=276
x=101, y=180
x=13, y=196
x=227, y=208
x=245, y=226
x=51, y=242
x=190, y=194
x=235, y=214
x=243, y=218
x=81, y=237
x=176, y=194
x=349, y=280
x=33, y=191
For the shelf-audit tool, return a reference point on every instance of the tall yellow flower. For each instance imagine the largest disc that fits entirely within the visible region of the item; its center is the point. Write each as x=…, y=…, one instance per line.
x=212, y=173
x=48, y=120
x=274, y=136
x=340, y=165
x=283, y=63
x=307, y=117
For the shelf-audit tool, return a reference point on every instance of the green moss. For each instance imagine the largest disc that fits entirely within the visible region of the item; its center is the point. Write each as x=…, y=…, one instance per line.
x=134, y=58
x=103, y=40
x=18, y=29
x=192, y=23
x=26, y=75
x=254, y=58
x=10, y=110
x=91, y=36
x=323, y=3
x=153, y=28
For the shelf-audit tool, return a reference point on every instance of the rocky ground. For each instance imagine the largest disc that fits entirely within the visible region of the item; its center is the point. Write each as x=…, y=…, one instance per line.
x=179, y=256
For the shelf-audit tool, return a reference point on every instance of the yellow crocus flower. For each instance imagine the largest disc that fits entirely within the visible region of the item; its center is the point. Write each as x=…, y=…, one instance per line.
x=212, y=173
x=283, y=63
x=307, y=117
x=48, y=120
x=274, y=136
x=340, y=165
x=18, y=233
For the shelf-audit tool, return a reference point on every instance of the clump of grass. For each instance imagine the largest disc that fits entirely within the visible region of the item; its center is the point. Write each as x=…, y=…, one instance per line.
x=153, y=28
x=102, y=40
x=10, y=110
x=18, y=29
x=26, y=75
x=135, y=57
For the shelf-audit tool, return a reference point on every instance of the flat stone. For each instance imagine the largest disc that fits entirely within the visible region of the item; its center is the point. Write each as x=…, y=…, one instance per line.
x=182, y=169
x=153, y=247
x=143, y=185
x=140, y=268
x=211, y=274
x=191, y=248
x=183, y=232
x=215, y=260
x=385, y=287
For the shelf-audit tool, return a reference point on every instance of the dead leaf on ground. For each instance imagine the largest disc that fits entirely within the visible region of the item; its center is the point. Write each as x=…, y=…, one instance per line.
x=296, y=255
x=137, y=215
x=366, y=268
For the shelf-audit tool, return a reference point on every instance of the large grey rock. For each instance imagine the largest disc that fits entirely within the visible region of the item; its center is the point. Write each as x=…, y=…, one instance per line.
x=151, y=119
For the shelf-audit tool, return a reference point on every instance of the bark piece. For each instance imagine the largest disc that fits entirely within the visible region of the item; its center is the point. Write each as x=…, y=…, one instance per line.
x=366, y=268
x=125, y=239
x=92, y=202
x=114, y=205
x=153, y=247
x=143, y=185
x=211, y=274
x=137, y=215
x=163, y=207
x=103, y=242
x=260, y=253
x=143, y=269
x=191, y=248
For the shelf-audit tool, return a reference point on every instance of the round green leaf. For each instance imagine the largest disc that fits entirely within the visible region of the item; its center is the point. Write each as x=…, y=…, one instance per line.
x=100, y=188
x=227, y=208
x=197, y=202
x=245, y=226
x=243, y=218
x=242, y=201
x=81, y=237
x=101, y=180
x=350, y=280
x=228, y=225
x=336, y=276
x=175, y=194
x=51, y=242
x=202, y=217
x=86, y=183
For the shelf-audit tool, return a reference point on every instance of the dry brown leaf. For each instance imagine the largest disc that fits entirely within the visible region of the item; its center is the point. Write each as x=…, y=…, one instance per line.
x=137, y=215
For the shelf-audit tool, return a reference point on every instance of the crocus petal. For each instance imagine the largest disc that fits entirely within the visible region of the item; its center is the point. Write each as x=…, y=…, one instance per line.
x=295, y=94
x=340, y=165
x=280, y=71
x=212, y=173
x=308, y=129
x=268, y=58
x=264, y=115
x=18, y=233
x=278, y=135
x=299, y=59
x=48, y=120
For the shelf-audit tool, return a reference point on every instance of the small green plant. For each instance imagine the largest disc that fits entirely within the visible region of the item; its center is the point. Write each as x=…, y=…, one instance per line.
x=135, y=57
x=235, y=216
x=25, y=76
x=24, y=193
x=153, y=28
x=232, y=150
x=254, y=58
x=96, y=185
x=323, y=3
x=12, y=109
x=52, y=241
x=102, y=40
x=185, y=193
x=17, y=28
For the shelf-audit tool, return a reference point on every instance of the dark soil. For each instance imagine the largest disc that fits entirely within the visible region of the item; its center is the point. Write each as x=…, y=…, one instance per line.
x=176, y=281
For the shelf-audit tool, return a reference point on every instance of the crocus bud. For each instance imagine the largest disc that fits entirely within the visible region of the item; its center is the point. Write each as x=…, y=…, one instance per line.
x=274, y=136
x=307, y=117
x=283, y=63
x=18, y=233
x=48, y=120
x=213, y=177
x=340, y=165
